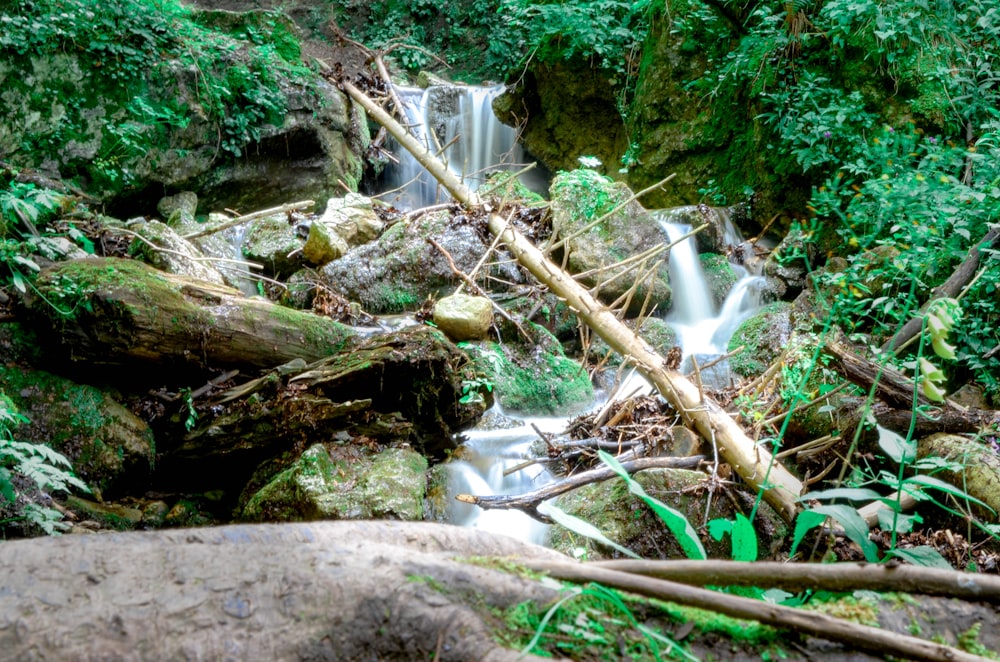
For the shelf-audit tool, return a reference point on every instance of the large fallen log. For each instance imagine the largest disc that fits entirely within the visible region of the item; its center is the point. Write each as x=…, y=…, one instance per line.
x=115, y=311
x=321, y=591
x=754, y=464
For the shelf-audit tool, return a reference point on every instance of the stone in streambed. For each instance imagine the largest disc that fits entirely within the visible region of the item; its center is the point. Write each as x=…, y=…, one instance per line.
x=464, y=317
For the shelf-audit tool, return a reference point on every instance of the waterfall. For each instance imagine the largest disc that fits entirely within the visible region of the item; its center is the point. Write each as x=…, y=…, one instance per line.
x=456, y=121
x=702, y=331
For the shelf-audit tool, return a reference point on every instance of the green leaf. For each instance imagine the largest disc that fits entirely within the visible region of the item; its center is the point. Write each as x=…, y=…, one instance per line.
x=744, y=539
x=930, y=482
x=806, y=521
x=582, y=527
x=903, y=522
x=921, y=555
x=853, y=524
x=896, y=447
x=678, y=525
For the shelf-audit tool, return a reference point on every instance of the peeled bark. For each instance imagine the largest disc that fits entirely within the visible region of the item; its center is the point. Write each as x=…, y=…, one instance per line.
x=753, y=463
x=115, y=311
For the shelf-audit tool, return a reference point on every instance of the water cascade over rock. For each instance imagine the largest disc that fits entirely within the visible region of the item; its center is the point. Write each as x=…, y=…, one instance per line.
x=456, y=121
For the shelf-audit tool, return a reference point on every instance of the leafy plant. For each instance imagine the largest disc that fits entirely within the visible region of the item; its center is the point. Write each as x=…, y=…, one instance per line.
x=36, y=464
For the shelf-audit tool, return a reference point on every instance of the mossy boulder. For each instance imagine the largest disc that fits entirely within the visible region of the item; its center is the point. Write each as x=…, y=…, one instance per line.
x=111, y=449
x=719, y=275
x=654, y=330
x=764, y=336
x=581, y=197
x=390, y=485
x=533, y=380
x=162, y=247
x=401, y=269
x=273, y=243
x=628, y=521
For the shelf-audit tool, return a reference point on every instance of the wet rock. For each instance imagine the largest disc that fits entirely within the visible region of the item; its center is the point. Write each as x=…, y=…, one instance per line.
x=464, y=317
x=273, y=243
x=353, y=218
x=178, y=255
x=322, y=245
x=581, y=197
x=399, y=270
x=719, y=275
x=533, y=380
x=764, y=336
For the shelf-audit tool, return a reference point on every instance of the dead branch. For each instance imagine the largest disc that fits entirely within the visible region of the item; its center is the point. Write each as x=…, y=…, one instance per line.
x=835, y=577
x=240, y=220
x=864, y=637
x=528, y=503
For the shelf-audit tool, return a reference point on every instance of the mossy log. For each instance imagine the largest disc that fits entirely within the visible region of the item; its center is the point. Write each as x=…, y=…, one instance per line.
x=393, y=387
x=117, y=311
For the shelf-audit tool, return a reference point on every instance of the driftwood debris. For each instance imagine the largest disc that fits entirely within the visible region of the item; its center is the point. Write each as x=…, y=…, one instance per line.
x=528, y=503
x=834, y=577
x=752, y=462
x=246, y=218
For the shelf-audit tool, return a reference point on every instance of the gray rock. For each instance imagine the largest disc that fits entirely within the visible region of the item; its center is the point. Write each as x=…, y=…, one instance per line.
x=179, y=256
x=464, y=317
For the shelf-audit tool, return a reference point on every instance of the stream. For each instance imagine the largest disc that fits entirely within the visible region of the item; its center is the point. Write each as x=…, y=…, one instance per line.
x=462, y=118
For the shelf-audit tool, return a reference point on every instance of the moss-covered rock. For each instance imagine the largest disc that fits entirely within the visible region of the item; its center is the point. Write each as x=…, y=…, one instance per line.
x=719, y=275
x=625, y=519
x=166, y=250
x=389, y=486
x=399, y=270
x=764, y=336
x=581, y=197
x=533, y=380
x=654, y=330
x=273, y=243
x=111, y=449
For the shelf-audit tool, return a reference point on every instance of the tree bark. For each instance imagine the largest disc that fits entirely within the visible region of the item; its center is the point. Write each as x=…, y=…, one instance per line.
x=753, y=463
x=115, y=311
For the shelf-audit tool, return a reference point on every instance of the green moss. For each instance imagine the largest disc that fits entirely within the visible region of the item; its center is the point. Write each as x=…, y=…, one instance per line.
x=719, y=275
x=763, y=337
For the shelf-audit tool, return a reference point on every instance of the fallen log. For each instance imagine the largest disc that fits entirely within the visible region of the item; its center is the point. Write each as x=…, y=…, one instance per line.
x=320, y=591
x=115, y=311
x=753, y=463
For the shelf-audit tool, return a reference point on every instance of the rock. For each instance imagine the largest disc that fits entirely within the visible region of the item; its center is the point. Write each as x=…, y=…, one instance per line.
x=273, y=243
x=538, y=380
x=581, y=197
x=464, y=317
x=178, y=209
x=389, y=486
x=353, y=218
x=626, y=520
x=719, y=275
x=322, y=245
x=399, y=270
x=764, y=336
x=111, y=449
x=179, y=256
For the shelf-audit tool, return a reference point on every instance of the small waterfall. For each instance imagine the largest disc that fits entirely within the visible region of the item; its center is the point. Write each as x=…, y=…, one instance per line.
x=702, y=331
x=489, y=454
x=456, y=121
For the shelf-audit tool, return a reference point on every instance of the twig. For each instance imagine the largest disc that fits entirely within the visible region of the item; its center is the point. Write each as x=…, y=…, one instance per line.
x=239, y=220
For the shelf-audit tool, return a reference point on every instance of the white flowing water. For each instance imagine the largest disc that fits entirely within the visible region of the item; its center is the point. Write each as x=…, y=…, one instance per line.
x=457, y=122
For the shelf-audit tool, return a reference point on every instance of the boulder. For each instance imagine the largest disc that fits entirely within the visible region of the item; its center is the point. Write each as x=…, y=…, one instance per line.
x=322, y=245
x=166, y=250
x=353, y=218
x=464, y=317
x=272, y=242
x=764, y=336
x=111, y=449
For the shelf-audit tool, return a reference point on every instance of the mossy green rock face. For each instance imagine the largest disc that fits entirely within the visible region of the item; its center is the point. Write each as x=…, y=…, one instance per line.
x=537, y=380
x=581, y=197
x=272, y=242
x=763, y=337
x=111, y=449
x=625, y=519
x=397, y=272
x=389, y=486
x=719, y=275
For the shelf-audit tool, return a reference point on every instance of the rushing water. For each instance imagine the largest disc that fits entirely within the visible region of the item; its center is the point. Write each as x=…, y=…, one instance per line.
x=457, y=122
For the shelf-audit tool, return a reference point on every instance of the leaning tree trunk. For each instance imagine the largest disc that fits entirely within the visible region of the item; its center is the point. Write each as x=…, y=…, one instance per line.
x=755, y=464
x=114, y=311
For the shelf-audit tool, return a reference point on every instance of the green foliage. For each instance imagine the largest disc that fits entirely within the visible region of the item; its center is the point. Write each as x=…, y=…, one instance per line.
x=137, y=59
x=34, y=464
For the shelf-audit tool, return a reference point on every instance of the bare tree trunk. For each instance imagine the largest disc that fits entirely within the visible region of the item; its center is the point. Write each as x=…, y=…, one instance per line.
x=755, y=464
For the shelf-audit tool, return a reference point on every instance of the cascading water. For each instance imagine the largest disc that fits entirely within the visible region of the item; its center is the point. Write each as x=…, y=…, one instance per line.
x=701, y=330
x=456, y=121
